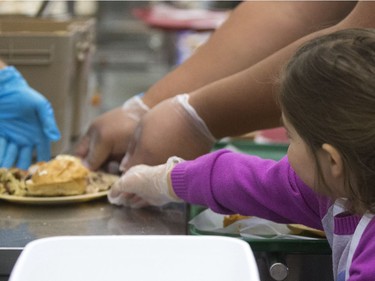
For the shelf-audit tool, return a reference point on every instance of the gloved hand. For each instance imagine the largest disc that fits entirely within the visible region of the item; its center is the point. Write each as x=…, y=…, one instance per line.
x=172, y=127
x=108, y=136
x=27, y=122
x=143, y=185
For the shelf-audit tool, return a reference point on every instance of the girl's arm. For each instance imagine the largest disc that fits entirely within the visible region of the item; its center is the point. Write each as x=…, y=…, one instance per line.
x=230, y=183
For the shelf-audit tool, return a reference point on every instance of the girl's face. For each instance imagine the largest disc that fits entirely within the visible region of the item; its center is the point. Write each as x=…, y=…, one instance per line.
x=299, y=155
x=303, y=162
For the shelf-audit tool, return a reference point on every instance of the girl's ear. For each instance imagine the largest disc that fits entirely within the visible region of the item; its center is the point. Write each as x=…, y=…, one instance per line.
x=335, y=163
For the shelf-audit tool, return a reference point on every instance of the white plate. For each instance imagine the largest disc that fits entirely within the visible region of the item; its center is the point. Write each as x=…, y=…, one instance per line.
x=136, y=258
x=54, y=200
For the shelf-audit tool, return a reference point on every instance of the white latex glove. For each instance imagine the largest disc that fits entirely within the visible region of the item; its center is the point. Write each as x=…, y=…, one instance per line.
x=144, y=185
x=172, y=127
x=108, y=136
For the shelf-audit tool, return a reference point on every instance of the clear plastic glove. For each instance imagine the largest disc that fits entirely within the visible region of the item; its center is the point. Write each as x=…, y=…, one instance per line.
x=27, y=122
x=108, y=136
x=171, y=128
x=145, y=185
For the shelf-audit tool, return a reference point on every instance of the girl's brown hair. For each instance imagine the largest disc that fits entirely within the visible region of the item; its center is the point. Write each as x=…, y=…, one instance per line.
x=327, y=93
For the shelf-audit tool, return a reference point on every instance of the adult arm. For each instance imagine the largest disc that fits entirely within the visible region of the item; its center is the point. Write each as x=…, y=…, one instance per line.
x=246, y=100
x=254, y=30
x=2, y=64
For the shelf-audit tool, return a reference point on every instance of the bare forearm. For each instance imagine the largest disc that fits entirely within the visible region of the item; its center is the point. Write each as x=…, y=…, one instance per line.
x=243, y=102
x=246, y=101
x=253, y=31
x=2, y=64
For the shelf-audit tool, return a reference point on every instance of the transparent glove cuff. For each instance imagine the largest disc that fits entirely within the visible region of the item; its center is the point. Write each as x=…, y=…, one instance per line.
x=135, y=107
x=172, y=161
x=183, y=100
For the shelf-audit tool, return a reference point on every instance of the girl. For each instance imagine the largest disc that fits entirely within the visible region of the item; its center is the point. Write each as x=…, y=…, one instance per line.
x=326, y=181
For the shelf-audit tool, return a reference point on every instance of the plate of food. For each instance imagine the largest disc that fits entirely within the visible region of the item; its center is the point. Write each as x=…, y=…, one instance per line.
x=63, y=180
x=54, y=199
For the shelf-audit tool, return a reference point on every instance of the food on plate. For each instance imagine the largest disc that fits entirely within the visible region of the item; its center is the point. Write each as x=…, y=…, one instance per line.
x=99, y=181
x=12, y=181
x=64, y=175
x=299, y=229
x=229, y=219
x=296, y=229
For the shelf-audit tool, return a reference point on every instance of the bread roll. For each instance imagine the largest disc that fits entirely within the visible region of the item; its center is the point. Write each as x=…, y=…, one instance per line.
x=63, y=176
x=100, y=181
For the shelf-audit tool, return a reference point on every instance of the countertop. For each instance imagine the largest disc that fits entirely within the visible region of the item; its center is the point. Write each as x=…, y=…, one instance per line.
x=20, y=224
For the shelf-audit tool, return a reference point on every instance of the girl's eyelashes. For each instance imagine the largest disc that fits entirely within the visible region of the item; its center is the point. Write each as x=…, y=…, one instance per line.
x=288, y=135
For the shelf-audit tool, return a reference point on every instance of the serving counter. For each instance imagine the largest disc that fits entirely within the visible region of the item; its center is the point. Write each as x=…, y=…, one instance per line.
x=287, y=260
x=21, y=223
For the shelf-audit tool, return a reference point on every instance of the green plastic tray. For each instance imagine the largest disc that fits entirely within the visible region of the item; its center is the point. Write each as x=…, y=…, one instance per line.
x=299, y=246
x=267, y=151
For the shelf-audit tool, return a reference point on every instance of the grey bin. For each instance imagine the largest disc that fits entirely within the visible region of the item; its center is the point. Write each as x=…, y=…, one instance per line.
x=55, y=58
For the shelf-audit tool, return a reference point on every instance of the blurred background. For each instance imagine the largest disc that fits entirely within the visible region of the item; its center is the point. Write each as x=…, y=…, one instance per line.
x=124, y=47
x=88, y=57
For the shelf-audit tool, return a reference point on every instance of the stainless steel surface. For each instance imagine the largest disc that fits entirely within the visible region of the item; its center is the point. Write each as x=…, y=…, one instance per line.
x=20, y=224
x=127, y=61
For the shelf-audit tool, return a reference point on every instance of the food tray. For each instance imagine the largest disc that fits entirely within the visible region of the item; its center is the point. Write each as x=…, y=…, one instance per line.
x=297, y=246
x=136, y=258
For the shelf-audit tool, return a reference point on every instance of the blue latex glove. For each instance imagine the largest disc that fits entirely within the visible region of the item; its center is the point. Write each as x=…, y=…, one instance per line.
x=27, y=122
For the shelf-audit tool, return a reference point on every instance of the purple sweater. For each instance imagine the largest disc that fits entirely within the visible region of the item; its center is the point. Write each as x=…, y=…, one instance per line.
x=229, y=182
